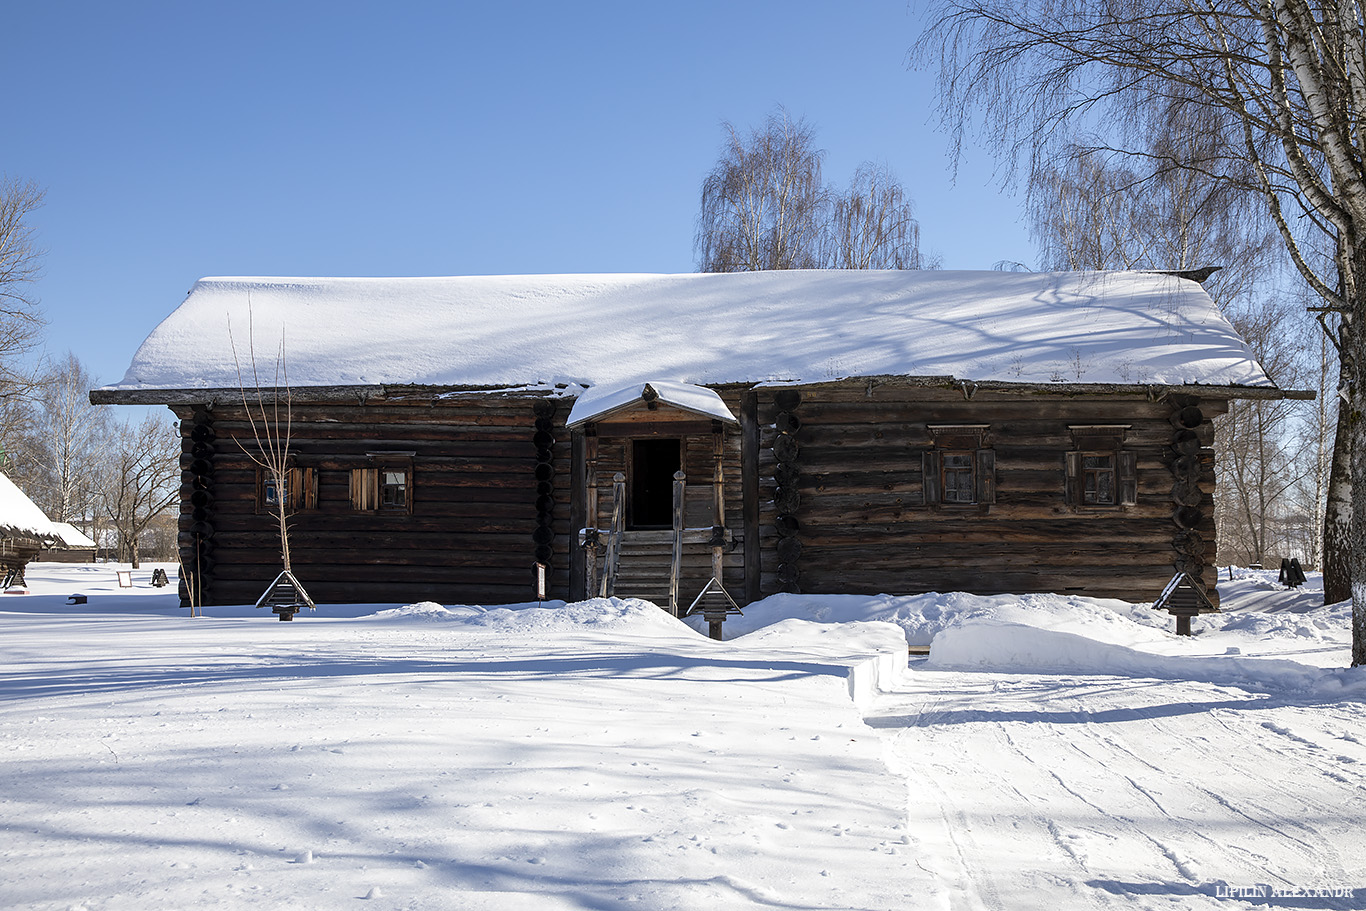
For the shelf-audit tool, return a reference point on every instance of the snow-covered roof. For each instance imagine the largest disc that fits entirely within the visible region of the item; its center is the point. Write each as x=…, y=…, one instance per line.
x=603, y=400
x=71, y=536
x=20, y=516
x=755, y=327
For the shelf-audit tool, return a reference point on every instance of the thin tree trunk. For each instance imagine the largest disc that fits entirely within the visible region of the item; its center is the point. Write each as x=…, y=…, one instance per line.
x=1337, y=513
x=1354, y=429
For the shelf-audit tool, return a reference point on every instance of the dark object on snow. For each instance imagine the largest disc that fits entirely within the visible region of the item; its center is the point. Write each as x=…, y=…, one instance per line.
x=159, y=579
x=1291, y=573
x=75, y=599
x=1183, y=598
x=286, y=596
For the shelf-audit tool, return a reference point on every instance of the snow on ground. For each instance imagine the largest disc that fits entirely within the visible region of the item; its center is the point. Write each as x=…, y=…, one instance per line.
x=1050, y=752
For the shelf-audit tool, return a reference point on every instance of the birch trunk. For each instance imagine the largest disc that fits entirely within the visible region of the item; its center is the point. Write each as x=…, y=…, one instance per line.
x=1337, y=514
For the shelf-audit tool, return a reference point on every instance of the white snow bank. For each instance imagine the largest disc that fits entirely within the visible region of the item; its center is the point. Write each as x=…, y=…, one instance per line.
x=998, y=644
x=922, y=617
x=545, y=617
x=870, y=657
x=789, y=326
x=1270, y=638
x=874, y=653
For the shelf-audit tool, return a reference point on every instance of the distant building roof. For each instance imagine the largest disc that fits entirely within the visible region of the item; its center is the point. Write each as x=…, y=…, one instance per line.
x=71, y=536
x=20, y=516
x=1052, y=328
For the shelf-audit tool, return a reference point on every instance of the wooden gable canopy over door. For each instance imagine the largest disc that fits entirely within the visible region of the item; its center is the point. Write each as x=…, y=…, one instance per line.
x=634, y=439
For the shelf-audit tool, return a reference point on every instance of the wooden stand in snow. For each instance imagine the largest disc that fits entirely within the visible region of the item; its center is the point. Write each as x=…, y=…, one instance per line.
x=715, y=604
x=286, y=596
x=1184, y=598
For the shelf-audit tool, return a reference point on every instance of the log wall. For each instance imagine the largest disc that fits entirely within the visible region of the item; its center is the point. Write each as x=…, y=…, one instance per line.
x=824, y=493
x=489, y=496
x=852, y=515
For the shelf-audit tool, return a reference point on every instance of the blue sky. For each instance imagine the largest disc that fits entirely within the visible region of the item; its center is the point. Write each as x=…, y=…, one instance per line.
x=179, y=140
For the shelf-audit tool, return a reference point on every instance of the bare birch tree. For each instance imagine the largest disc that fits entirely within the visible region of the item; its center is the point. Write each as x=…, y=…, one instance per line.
x=66, y=445
x=872, y=225
x=763, y=203
x=21, y=323
x=1261, y=462
x=1286, y=78
x=270, y=417
x=764, y=206
x=141, y=480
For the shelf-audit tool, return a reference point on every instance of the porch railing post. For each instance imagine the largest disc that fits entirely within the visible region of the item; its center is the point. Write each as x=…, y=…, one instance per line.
x=609, y=569
x=680, y=482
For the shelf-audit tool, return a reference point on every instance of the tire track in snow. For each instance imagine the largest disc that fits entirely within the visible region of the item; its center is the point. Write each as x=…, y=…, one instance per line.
x=1127, y=781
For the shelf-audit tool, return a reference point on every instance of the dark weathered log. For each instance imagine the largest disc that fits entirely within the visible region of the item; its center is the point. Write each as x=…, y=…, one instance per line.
x=1187, y=493
x=1188, y=417
x=1187, y=517
x=787, y=500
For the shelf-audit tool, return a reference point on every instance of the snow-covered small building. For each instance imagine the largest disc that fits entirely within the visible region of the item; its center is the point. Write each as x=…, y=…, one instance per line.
x=835, y=431
x=72, y=545
x=25, y=531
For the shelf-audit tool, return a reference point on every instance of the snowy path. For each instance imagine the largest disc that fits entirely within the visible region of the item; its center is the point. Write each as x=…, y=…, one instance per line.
x=1047, y=791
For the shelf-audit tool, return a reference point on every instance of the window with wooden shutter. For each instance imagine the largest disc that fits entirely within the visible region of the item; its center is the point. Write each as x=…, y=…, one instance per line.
x=1099, y=471
x=930, y=476
x=299, y=489
x=365, y=489
x=382, y=489
x=985, y=482
x=959, y=470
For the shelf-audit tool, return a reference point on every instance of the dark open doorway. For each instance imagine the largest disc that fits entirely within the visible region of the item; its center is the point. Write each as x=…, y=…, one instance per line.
x=653, y=463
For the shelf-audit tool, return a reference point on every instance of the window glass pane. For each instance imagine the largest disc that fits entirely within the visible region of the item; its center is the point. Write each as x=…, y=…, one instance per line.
x=1098, y=479
x=958, y=478
x=394, y=488
x=273, y=493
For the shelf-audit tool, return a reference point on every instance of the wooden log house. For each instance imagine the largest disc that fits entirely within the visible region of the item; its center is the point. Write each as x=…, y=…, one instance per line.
x=835, y=432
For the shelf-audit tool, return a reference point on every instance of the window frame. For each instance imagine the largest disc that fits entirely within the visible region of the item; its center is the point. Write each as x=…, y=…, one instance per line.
x=957, y=441
x=301, y=490
x=384, y=502
x=368, y=483
x=1100, y=440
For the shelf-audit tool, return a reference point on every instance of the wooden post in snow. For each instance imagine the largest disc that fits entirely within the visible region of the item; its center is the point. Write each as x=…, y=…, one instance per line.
x=680, y=483
x=590, y=481
x=718, y=502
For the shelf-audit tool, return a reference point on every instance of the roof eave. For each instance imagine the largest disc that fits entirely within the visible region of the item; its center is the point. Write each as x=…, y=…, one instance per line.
x=111, y=395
